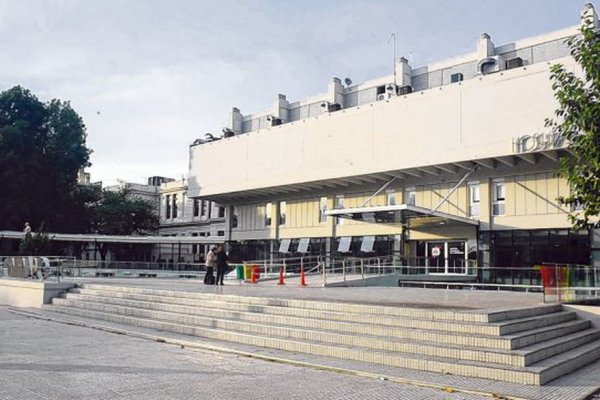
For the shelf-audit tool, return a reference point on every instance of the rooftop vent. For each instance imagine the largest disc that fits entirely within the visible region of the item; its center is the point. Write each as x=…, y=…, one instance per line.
x=402, y=90
x=457, y=77
x=514, y=63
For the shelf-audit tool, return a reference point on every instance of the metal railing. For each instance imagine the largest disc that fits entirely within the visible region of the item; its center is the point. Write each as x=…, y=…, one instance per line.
x=35, y=267
x=290, y=266
x=366, y=267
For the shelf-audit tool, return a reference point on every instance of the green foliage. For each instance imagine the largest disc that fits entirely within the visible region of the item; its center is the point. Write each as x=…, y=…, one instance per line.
x=42, y=147
x=39, y=244
x=119, y=213
x=577, y=119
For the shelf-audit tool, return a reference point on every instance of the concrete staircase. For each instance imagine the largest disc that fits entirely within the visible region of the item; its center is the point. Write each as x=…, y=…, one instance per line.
x=529, y=345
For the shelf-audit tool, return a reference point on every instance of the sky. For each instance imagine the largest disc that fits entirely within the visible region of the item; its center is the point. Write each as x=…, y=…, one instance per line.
x=149, y=77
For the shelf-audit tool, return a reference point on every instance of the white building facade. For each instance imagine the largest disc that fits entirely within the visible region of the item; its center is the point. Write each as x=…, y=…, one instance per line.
x=181, y=216
x=444, y=164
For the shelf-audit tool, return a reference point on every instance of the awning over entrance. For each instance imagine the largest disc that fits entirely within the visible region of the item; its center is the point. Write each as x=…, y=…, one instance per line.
x=400, y=214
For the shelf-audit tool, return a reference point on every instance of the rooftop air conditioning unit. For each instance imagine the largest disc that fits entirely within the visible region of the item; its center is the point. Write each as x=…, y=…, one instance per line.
x=402, y=90
x=391, y=89
x=274, y=120
x=330, y=107
x=514, y=63
x=382, y=96
x=228, y=132
x=457, y=77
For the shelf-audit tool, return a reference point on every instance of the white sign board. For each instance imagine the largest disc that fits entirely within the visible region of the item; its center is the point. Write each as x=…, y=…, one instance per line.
x=303, y=245
x=284, y=245
x=367, y=244
x=344, y=246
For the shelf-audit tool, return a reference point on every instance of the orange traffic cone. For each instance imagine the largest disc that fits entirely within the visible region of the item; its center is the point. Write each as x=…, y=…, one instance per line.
x=281, y=282
x=302, y=280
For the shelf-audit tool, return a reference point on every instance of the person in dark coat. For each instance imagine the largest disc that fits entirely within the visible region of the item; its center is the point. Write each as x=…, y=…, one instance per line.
x=221, y=264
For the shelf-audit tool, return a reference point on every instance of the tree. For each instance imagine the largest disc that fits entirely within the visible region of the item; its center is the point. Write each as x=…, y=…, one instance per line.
x=42, y=147
x=120, y=213
x=577, y=120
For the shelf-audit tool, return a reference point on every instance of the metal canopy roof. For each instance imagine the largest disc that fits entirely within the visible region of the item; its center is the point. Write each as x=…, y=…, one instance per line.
x=90, y=238
x=400, y=214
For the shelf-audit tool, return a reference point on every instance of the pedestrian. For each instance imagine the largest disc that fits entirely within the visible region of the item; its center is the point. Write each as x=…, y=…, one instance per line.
x=27, y=230
x=210, y=263
x=221, y=264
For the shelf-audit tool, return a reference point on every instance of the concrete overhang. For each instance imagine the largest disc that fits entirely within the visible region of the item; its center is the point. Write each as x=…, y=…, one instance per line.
x=447, y=171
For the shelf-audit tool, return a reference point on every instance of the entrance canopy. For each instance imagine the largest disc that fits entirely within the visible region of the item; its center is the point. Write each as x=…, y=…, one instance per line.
x=400, y=214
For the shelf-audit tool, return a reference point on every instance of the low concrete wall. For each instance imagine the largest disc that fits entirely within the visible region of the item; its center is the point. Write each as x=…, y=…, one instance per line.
x=380, y=281
x=29, y=293
x=586, y=312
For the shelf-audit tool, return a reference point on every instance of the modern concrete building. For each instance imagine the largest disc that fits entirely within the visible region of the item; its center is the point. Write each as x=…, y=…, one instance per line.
x=444, y=165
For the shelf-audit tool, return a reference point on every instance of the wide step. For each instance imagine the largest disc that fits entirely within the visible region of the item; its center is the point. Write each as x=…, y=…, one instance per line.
x=531, y=345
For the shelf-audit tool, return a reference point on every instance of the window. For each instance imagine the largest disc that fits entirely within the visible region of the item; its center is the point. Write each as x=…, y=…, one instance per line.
x=339, y=203
x=234, y=217
x=474, y=199
x=322, y=209
x=209, y=206
x=196, y=207
x=220, y=233
x=168, y=206
x=282, y=212
x=194, y=246
x=268, y=213
x=498, y=197
x=174, y=211
x=221, y=212
x=410, y=196
x=202, y=208
x=390, y=198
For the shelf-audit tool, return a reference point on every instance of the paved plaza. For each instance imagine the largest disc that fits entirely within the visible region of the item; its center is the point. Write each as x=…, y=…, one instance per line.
x=475, y=300
x=54, y=356
x=47, y=360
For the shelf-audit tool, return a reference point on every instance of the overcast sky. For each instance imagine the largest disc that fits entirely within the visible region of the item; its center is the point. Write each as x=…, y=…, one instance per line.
x=149, y=77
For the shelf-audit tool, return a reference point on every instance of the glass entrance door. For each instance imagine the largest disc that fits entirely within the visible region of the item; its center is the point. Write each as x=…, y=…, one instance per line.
x=443, y=257
x=456, y=257
x=436, y=257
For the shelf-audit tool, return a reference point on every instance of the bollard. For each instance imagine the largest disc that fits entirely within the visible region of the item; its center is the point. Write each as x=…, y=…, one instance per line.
x=254, y=274
x=281, y=282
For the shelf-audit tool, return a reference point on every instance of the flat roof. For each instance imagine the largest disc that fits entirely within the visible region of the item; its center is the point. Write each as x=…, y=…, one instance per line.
x=89, y=238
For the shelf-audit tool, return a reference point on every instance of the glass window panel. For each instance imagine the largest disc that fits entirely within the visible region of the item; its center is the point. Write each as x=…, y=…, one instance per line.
x=322, y=209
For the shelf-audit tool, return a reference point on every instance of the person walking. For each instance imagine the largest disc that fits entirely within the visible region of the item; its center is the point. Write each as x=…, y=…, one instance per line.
x=210, y=263
x=221, y=264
